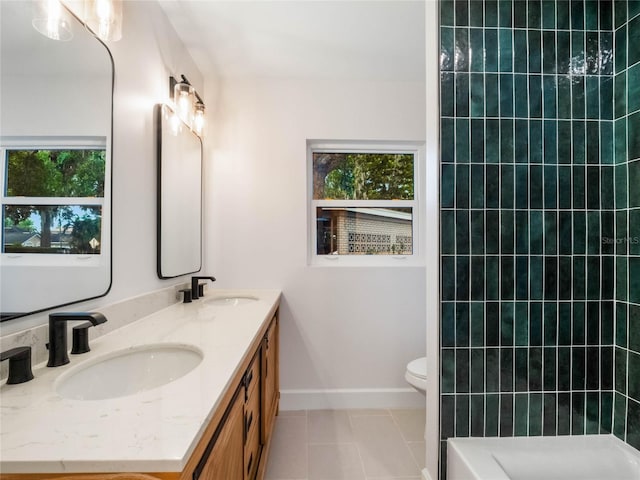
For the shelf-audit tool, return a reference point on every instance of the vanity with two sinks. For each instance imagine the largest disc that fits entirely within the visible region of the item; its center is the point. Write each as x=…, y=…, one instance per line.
x=188, y=392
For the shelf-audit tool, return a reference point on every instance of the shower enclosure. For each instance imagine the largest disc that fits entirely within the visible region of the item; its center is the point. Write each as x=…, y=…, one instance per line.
x=540, y=218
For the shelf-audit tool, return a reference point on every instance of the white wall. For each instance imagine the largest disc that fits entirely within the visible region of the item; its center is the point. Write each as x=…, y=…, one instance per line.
x=342, y=328
x=148, y=53
x=39, y=105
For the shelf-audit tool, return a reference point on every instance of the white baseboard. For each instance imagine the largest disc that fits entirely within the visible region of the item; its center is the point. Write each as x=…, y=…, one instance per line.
x=320, y=399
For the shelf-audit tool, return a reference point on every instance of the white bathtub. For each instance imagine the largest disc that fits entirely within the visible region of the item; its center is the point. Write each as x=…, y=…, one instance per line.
x=586, y=457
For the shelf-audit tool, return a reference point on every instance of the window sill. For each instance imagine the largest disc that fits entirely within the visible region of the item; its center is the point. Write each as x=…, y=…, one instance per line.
x=366, y=261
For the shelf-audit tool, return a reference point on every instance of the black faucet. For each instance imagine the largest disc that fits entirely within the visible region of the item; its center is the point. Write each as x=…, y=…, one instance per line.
x=19, y=364
x=58, y=333
x=196, y=293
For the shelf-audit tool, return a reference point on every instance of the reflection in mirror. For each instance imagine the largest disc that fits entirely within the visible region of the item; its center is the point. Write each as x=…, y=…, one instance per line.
x=55, y=164
x=77, y=175
x=70, y=229
x=179, y=196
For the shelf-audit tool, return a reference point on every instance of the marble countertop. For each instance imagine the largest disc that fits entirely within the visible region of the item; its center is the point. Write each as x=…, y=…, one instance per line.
x=153, y=431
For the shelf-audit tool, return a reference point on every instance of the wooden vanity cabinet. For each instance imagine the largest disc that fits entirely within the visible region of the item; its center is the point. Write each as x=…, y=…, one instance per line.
x=237, y=448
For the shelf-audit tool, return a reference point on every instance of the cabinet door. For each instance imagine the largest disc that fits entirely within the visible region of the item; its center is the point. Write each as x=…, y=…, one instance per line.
x=223, y=458
x=270, y=381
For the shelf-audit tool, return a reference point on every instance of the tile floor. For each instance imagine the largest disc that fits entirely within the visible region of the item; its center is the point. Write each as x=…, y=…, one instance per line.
x=347, y=445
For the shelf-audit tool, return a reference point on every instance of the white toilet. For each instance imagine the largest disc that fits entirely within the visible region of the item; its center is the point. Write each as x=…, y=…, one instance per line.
x=416, y=374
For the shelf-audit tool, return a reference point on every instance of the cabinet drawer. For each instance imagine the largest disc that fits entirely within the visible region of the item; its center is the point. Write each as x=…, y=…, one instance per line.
x=252, y=414
x=252, y=450
x=252, y=377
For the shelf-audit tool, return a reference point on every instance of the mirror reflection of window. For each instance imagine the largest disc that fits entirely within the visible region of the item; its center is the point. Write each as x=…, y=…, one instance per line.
x=34, y=218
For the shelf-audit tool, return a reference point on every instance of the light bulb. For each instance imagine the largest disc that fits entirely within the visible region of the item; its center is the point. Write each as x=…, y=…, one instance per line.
x=103, y=12
x=183, y=97
x=50, y=20
x=104, y=17
x=175, y=124
x=198, y=119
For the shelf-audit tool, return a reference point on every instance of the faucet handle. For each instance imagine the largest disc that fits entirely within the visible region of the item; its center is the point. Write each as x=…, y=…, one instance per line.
x=19, y=364
x=80, y=339
x=187, y=295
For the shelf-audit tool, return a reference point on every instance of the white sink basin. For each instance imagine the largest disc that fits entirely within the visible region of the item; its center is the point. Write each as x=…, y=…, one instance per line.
x=231, y=301
x=127, y=372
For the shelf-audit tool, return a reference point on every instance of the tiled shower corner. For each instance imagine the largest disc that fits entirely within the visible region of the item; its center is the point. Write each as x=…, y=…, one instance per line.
x=626, y=424
x=540, y=197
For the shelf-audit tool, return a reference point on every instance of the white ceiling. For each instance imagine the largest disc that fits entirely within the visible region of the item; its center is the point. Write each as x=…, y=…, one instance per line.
x=328, y=39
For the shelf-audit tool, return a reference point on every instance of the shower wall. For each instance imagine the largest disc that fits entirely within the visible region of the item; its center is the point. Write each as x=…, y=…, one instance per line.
x=531, y=183
x=627, y=197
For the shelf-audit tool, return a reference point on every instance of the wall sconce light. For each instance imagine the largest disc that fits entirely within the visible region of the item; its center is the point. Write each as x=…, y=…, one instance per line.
x=51, y=19
x=104, y=18
x=188, y=105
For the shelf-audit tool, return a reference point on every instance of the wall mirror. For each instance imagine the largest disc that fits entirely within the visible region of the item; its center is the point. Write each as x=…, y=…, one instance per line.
x=55, y=147
x=179, y=196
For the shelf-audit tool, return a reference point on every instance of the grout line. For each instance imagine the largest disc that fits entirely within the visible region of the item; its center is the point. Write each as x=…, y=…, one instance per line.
x=357, y=444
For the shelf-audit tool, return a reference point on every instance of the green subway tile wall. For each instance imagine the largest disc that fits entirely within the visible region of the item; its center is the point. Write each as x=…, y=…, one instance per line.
x=540, y=218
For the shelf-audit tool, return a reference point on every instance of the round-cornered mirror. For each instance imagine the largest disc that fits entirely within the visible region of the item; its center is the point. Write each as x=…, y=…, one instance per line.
x=56, y=102
x=179, y=196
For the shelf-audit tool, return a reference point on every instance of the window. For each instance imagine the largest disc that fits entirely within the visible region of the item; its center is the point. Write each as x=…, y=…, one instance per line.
x=364, y=203
x=52, y=199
